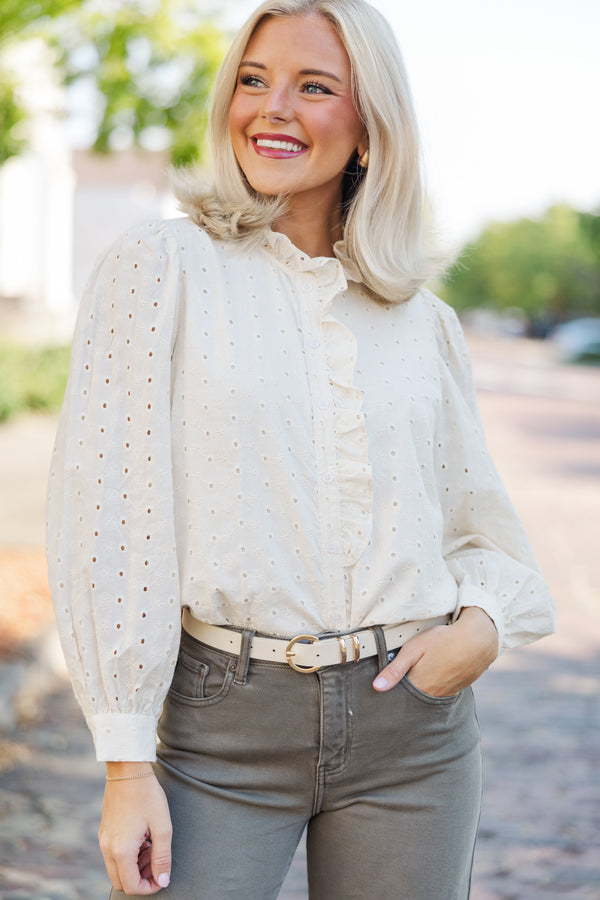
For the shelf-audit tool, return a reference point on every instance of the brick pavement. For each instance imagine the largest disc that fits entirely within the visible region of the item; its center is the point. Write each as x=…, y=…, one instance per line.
x=538, y=706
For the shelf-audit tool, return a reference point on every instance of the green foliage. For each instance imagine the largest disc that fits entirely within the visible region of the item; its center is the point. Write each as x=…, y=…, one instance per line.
x=32, y=378
x=151, y=63
x=17, y=15
x=546, y=267
x=11, y=114
x=152, y=67
x=590, y=226
x=16, y=18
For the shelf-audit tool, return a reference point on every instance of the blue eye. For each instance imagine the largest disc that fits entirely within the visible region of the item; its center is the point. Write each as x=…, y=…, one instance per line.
x=313, y=87
x=251, y=81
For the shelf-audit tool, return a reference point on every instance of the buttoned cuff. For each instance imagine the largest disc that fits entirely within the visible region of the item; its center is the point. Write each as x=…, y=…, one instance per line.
x=119, y=737
x=469, y=595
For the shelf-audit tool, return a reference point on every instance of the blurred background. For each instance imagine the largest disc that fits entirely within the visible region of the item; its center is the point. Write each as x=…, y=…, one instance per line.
x=97, y=98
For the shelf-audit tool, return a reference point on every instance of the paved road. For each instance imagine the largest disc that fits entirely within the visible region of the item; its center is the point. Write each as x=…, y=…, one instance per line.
x=539, y=707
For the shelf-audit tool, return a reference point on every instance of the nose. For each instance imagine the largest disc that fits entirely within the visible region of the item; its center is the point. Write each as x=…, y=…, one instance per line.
x=277, y=105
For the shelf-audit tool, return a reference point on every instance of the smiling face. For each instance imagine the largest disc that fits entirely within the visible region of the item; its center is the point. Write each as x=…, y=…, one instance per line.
x=292, y=120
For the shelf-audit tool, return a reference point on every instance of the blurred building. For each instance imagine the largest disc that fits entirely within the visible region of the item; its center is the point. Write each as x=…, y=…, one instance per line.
x=59, y=209
x=112, y=193
x=36, y=198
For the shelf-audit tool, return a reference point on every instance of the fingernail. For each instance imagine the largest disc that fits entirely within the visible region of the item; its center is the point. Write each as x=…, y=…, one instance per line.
x=380, y=683
x=164, y=880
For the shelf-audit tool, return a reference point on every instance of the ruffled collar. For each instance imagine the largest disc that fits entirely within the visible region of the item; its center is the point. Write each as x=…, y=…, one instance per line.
x=290, y=256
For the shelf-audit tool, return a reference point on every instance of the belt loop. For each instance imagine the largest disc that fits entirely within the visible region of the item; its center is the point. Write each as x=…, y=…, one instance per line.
x=381, y=646
x=241, y=672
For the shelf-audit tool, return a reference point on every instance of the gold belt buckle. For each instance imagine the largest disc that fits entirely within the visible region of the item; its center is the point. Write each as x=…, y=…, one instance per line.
x=289, y=653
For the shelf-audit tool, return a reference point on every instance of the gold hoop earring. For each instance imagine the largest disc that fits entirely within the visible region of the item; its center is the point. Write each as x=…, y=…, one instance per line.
x=363, y=160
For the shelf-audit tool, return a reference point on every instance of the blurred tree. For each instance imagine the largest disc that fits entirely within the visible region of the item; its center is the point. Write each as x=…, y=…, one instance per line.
x=549, y=267
x=11, y=114
x=150, y=65
x=16, y=18
x=147, y=64
x=15, y=15
x=590, y=225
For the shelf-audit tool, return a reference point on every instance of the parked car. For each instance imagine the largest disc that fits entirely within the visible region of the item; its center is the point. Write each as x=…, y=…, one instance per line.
x=578, y=340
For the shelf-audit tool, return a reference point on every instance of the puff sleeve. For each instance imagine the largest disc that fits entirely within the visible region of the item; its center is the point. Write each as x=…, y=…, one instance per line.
x=110, y=524
x=484, y=544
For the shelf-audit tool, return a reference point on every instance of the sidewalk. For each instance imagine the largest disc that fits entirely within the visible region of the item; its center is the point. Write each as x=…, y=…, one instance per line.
x=539, y=707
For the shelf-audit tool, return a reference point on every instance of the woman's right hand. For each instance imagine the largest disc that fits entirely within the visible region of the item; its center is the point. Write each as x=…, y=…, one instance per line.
x=135, y=831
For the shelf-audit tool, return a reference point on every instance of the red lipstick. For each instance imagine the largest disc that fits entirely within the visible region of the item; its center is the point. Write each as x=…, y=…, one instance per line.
x=278, y=146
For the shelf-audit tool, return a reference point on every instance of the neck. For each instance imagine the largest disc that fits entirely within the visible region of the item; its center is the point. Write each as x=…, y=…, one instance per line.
x=312, y=229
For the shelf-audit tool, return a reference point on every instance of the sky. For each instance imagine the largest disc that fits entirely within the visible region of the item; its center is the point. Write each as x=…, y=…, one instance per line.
x=508, y=99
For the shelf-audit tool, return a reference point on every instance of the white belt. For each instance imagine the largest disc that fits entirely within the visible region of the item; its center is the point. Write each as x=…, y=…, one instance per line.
x=305, y=652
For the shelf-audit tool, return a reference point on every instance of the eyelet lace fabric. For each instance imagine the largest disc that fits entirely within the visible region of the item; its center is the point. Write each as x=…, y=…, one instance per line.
x=247, y=433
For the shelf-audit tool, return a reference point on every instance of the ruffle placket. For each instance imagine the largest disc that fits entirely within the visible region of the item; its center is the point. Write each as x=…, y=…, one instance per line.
x=351, y=440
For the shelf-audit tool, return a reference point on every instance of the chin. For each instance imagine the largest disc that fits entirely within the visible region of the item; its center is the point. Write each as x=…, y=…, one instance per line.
x=269, y=185
x=268, y=190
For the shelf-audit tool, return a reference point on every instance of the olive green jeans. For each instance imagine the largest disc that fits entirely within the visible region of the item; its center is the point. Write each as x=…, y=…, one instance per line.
x=250, y=753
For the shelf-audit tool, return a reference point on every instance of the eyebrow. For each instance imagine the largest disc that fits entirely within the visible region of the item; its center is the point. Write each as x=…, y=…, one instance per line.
x=320, y=72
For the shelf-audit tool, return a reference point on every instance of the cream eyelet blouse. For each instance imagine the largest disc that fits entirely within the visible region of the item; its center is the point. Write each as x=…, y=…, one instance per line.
x=249, y=434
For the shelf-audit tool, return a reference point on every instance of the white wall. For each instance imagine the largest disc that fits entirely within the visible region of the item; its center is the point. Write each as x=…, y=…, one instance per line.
x=36, y=195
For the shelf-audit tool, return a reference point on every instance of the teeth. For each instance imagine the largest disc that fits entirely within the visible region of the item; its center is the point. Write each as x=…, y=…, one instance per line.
x=279, y=145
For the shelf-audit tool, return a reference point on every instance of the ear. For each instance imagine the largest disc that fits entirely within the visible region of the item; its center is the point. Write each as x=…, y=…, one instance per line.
x=363, y=144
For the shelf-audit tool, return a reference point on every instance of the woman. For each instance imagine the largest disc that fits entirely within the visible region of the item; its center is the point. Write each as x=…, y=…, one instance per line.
x=272, y=425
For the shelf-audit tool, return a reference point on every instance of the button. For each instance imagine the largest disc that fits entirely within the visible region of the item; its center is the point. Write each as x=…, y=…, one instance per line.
x=336, y=618
x=314, y=343
x=323, y=404
x=307, y=286
x=328, y=477
x=332, y=547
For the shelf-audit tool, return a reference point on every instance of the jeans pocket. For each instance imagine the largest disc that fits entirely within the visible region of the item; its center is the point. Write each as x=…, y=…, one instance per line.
x=189, y=677
x=202, y=676
x=428, y=699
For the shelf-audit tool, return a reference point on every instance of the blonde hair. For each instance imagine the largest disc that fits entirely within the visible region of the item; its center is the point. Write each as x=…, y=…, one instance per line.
x=383, y=205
